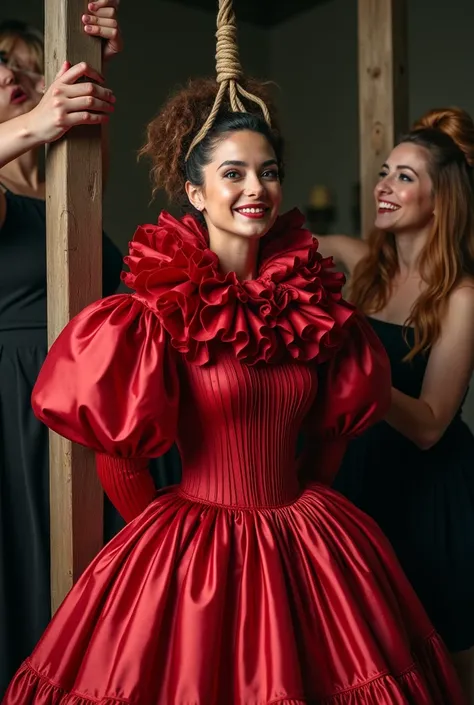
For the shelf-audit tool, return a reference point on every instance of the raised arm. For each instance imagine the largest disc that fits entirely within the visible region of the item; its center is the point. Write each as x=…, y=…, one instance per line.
x=447, y=377
x=65, y=104
x=346, y=251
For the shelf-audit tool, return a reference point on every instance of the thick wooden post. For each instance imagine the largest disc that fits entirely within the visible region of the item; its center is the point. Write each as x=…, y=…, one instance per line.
x=383, y=90
x=74, y=259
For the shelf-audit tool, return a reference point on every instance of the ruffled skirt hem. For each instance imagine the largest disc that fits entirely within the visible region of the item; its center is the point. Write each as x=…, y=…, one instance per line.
x=427, y=682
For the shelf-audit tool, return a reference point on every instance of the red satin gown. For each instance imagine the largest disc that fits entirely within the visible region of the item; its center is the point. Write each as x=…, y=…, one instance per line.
x=244, y=585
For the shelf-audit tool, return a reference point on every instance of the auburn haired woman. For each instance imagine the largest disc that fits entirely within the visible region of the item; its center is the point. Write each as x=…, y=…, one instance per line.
x=414, y=279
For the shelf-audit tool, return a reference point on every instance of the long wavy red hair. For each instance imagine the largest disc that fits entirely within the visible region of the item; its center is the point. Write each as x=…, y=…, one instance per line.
x=448, y=137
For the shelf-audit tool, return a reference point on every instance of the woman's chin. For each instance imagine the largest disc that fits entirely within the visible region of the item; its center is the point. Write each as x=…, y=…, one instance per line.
x=254, y=228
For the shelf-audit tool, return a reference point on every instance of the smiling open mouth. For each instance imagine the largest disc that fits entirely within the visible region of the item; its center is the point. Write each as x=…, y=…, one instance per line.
x=253, y=211
x=385, y=206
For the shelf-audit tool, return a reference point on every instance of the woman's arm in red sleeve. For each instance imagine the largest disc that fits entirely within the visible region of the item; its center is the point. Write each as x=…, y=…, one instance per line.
x=127, y=482
x=354, y=393
x=110, y=381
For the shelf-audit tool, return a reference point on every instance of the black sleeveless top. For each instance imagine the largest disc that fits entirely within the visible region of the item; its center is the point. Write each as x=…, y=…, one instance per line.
x=23, y=264
x=422, y=499
x=24, y=467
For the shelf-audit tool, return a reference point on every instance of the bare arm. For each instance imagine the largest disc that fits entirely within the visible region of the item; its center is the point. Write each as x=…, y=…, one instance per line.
x=447, y=377
x=18, y=136
x=346, y=251
x=65, y=104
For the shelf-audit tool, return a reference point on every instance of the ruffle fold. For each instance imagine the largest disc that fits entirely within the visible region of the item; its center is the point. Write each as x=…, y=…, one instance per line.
x=292, y=310
x=386, y=689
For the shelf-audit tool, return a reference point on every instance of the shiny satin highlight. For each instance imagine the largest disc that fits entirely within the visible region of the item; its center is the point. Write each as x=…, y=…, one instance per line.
x=250, y=583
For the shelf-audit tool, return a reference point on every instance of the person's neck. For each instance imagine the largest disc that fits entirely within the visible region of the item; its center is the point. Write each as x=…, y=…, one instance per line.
x=409, y=248
x=24, y=172
x=236, y=254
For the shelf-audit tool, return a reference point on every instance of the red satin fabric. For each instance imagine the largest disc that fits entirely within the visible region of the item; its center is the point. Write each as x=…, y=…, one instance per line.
x=195, y=603
x=127, y=483
x=110, y=381
x=292, y=310
x=353, y=390
x=240, y=586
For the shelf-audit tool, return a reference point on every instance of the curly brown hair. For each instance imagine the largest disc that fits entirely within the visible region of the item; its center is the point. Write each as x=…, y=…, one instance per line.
x=170, y=134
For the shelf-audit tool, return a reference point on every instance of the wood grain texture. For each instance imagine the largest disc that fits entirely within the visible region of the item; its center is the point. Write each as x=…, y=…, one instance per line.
x=74, y=261
x=383, y=91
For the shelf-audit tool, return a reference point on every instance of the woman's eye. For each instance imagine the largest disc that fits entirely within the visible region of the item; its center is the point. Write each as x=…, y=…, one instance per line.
x=231, y=175
x=270, y=174
x=405, y=177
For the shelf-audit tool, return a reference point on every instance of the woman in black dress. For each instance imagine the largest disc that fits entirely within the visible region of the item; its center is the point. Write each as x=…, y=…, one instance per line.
x=28, y=119
x=414, y=278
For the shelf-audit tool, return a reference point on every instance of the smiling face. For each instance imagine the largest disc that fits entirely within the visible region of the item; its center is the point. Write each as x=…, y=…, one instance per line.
x=404, y=194
x=241, y=193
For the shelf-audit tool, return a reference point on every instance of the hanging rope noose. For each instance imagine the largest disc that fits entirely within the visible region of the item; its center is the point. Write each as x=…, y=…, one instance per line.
x=229, y=72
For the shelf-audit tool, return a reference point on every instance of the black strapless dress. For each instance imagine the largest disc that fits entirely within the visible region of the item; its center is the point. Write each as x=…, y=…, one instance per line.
x=422, y=499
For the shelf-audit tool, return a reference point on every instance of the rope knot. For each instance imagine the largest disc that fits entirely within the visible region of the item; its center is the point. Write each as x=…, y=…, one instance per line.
x=228, y=65
x=229, y=72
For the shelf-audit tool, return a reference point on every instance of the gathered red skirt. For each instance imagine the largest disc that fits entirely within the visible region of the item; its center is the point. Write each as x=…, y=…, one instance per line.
x=198, y=604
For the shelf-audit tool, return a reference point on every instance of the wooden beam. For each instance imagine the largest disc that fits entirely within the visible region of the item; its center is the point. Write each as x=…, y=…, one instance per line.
x=383, y=91
x=74, y=261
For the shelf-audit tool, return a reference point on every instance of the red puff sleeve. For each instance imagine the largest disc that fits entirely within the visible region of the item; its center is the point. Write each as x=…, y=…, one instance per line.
x=110, y=383
x=354, y=393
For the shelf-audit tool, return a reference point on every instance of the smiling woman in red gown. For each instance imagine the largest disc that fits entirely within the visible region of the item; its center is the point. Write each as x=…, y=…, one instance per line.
x=250, y=583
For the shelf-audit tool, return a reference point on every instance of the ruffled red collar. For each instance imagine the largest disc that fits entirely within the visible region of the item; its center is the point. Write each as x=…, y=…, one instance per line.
x=292, y=310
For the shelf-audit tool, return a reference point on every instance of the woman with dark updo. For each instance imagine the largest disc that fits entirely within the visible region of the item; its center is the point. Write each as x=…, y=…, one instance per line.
x=250, y=582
